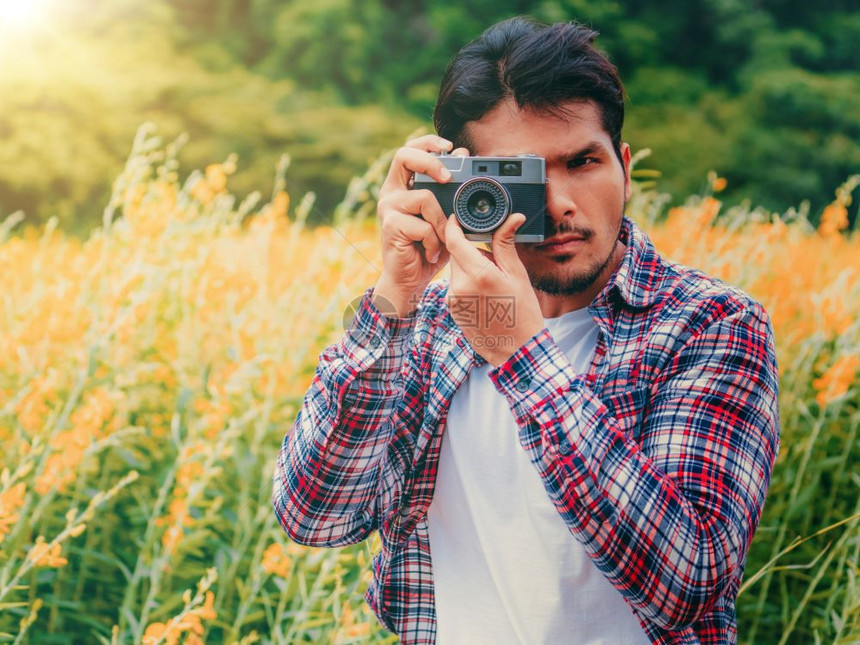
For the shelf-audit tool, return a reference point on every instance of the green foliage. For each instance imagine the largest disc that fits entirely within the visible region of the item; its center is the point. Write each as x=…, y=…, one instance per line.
x=763, y=93
x=68, y=112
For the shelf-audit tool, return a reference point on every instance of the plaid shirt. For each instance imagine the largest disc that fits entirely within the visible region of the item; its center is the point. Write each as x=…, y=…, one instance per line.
x=657, y=459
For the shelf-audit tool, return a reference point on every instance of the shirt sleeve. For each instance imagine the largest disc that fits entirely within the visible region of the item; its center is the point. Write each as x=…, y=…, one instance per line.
x=664, y=485
x=326, y=475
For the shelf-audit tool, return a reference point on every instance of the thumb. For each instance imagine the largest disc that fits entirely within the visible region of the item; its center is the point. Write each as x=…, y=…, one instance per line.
x=504, y=251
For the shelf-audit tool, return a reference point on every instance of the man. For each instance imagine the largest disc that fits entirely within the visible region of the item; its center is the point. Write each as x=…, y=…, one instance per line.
x=592, y=472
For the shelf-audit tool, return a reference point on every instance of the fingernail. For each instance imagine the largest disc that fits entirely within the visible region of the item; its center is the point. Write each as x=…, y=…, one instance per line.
x=435, y=258
x=446, y=174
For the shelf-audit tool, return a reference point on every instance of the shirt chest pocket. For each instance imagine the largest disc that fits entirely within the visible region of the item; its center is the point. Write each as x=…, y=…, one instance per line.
x=629, y=408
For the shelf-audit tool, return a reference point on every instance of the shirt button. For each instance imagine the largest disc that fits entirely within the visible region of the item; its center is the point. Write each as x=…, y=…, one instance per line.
x=374, y=341
x=523, y=385
x=564, y=447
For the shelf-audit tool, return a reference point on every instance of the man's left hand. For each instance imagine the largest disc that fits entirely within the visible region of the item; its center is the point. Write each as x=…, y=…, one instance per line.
x=490, y=294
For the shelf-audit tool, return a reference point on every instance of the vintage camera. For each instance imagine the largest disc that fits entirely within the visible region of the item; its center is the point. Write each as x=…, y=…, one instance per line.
x=483, y=191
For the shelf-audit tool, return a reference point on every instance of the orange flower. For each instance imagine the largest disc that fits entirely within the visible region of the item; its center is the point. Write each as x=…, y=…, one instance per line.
x=46, y=554
x=190, y=624
x=216, y=177
x=207, y=611
x=275, y=561
x=834, y=219
x=54, y=475
x=10, y=501
x=280, y=204
x=274, y=215
x=159, y=632
x=188, y=473
x=349, y=627
x=836, y=380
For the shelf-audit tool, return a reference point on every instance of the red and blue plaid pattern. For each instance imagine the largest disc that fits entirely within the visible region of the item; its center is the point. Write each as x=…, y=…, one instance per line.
x=658, y=458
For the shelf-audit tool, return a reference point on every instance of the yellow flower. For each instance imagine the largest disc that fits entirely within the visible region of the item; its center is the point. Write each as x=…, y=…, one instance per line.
x=10, y=501
x=188, y=473
x=189, y=623
x=54, y=475
x=202, y=192
x=349, y=627
x=273, y=217
x=207, y=611
x=836, y=380
x=34, y=408
x=159, y=632
x=280, y=204
x=834, y=219
x=46, y=554
x=275, y=561
x=216, y=177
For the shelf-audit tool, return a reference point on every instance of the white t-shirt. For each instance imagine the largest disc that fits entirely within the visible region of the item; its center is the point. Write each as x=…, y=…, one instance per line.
x=506, y=568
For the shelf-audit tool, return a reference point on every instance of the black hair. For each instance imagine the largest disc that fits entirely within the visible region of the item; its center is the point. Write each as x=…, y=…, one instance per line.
x=539, y=66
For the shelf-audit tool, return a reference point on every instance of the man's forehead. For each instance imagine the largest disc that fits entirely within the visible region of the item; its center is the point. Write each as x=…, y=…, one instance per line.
x=507, y=130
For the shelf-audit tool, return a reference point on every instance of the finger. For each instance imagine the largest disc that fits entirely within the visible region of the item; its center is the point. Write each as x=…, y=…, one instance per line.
x=408, y=229
x=429, y=143
x=453, y=281
x=417, y=203
x=460, y=152
x=455, y=267
x=411, y=159
x=504, y=250
x=467, y=256
x=458, y=275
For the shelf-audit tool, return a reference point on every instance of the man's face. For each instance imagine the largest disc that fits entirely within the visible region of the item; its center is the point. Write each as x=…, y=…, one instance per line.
x=587, y=190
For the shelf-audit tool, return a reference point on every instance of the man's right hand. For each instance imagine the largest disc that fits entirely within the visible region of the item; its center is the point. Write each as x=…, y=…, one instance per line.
x=413, y=224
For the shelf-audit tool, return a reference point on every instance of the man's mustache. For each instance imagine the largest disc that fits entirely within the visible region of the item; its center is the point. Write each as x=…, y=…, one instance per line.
x=569, y=230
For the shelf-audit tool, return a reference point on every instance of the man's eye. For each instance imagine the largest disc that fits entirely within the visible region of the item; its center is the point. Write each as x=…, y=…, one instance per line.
x=579, y=162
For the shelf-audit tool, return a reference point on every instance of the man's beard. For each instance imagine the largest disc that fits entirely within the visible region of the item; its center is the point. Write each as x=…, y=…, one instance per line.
x=556, y=285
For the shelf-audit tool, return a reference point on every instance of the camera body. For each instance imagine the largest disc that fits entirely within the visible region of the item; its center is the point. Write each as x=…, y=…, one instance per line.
x=483, y=191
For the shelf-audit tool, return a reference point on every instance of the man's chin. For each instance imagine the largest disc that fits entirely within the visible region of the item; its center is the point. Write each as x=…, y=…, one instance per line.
x=568, y=286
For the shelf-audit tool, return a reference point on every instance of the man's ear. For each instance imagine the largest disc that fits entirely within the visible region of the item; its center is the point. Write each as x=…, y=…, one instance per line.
x=625, y=156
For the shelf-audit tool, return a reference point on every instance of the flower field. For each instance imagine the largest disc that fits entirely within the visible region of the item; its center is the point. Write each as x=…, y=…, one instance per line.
x=149, y=373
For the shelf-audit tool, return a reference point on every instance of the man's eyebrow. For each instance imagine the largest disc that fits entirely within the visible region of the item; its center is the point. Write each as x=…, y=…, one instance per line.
x=590, y=148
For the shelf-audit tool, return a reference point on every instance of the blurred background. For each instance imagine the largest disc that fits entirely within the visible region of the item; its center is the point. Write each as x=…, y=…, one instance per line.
x=765, y=93
x=155, y=350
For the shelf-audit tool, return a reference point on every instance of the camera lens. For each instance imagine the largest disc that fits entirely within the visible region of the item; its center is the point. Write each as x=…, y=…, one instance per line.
x=481, y=204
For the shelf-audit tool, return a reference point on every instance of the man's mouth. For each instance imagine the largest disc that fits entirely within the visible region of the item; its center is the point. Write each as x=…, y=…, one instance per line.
x=562, y=243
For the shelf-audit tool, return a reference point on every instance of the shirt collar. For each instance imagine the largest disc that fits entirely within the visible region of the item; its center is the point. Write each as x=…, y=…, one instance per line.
x=639, y=277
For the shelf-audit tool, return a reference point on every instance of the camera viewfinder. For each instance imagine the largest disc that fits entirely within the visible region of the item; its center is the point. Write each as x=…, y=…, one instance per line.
x=511, y=169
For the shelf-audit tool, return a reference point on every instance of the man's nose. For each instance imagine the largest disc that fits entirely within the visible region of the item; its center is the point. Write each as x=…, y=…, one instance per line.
x=559, y=196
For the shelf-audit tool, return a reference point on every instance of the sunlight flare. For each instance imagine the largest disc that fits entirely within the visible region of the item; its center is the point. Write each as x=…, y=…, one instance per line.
x=20, y=16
